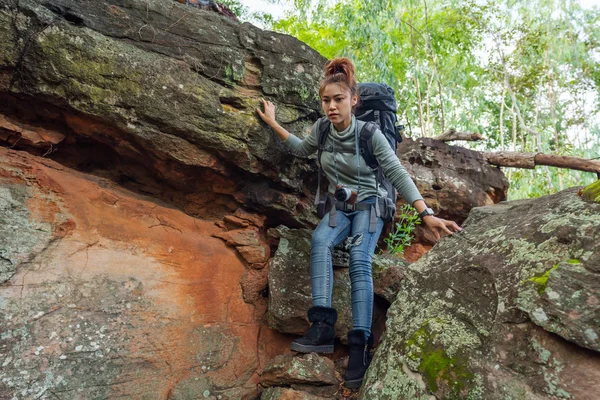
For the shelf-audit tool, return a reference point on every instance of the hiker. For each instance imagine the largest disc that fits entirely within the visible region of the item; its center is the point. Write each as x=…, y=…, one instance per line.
x=356, y=215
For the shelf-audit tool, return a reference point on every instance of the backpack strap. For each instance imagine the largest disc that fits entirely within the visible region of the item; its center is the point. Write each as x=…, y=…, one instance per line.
x=366, y=144
x=323, y=128
x=366, y=150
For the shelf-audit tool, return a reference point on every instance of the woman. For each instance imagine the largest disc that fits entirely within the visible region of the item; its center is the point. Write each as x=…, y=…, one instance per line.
x=339, y=96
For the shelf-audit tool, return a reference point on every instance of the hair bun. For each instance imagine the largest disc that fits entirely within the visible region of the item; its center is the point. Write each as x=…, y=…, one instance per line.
x=340, y=65
x=340, y=70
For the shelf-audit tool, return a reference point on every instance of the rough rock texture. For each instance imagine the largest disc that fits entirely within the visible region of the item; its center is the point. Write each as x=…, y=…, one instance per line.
x=156, y=250
x=282, y=393
x=509, y=308
x=161, y=97
x=452, y=179
x=307, y=376
x=167, y=90
x=309, y=368
x=107, y=293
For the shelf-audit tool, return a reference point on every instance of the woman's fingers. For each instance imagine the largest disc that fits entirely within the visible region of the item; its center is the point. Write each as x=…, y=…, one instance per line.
x=268, y=114
x=455, y=226
x=437, y=225
x=268, y=106
x=445, y=229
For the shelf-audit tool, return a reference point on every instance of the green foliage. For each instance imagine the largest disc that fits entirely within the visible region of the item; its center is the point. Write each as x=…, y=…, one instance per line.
x=235, y=6
x=525, y=74
x=592, y=192
x=541, y=281
x=401, y=235
x=436, y=366
x=244, y=14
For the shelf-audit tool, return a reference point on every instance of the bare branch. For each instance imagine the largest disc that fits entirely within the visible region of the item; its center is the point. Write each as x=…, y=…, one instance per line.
x=452, y=134
x=531, y=160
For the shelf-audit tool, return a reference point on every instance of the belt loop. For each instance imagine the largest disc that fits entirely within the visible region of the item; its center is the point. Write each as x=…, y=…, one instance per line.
x=332, y=216
x=372, y=220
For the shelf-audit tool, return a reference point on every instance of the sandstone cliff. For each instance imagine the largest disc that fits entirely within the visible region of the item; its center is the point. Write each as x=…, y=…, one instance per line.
x=145, y=211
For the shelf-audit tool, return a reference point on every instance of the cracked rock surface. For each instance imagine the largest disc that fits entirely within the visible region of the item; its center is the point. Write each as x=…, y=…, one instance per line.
x=509, y=308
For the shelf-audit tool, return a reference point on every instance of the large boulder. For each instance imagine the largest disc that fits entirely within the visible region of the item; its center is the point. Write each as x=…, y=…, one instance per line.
x=509, y=308
x=160, y=97
x=105, y=294
x=147, y=271
x=452, y=179
x=158, y=94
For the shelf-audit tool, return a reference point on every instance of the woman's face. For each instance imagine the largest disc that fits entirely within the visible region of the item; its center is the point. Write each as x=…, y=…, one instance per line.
x=337, y=102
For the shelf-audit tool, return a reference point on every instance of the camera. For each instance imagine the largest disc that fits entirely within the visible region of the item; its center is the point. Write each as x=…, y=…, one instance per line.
x=344, y=194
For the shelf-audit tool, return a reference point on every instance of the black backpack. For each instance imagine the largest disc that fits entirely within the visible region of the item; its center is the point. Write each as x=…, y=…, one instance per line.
x=376, y=106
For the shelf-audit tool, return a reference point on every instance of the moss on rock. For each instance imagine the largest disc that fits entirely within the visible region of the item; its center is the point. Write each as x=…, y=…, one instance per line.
x=592, y=192
x=542, y=280
x=437, y=367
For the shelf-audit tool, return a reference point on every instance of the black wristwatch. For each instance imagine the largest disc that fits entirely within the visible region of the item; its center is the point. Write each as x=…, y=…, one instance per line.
x=426, y=212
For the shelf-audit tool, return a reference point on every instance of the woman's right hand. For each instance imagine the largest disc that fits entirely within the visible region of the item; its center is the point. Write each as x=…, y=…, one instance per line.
x=269, y=114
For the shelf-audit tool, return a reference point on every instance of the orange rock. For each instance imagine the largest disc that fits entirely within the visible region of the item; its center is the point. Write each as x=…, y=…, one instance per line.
x=415, y=251
x=255, y=219
x=255, y=255
x=142, y=294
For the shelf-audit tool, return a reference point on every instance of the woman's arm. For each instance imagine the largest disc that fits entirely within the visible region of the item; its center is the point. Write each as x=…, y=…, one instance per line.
x=401, y=180
x=301, y=148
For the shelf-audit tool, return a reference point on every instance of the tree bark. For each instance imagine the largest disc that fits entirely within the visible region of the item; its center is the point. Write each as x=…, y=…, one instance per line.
x=530, y=160
x=452, y=134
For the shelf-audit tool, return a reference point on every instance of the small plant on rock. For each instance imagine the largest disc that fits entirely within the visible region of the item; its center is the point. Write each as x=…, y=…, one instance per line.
x=402, y=233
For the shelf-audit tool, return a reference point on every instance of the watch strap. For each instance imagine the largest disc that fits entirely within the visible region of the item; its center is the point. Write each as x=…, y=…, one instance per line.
x=426, y=212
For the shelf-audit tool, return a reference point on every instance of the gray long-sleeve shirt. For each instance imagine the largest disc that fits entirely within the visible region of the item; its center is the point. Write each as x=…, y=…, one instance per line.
x=342, y=159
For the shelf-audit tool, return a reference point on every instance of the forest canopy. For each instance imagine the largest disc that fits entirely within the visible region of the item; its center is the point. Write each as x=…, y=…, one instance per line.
x=524, y=74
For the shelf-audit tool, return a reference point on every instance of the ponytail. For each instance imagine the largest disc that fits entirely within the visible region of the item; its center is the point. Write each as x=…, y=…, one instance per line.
x=340, y=70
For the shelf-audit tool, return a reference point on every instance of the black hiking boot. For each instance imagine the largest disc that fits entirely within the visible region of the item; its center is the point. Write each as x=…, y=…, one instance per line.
x=360, y=358
x=321, y=334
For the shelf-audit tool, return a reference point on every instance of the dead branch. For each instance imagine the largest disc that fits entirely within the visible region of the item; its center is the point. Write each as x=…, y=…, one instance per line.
x=452, y=134
x=531, y=160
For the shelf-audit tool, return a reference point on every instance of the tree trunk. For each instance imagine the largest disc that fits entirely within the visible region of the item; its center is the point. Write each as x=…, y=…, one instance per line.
x=421, y=117
x=502, y=119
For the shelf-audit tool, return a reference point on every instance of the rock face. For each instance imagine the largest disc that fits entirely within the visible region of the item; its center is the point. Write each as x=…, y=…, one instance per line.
x=509, y=308
x=452, y=179
x=137, y=192
x=161, y=97
x=106, y=293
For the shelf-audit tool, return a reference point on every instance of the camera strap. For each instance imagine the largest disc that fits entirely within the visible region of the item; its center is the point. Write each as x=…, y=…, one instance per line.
x=333, y=211
x=357, y=155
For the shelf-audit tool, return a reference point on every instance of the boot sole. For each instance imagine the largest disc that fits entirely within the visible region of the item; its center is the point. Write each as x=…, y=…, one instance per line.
x=354, y=383
x=324, y=349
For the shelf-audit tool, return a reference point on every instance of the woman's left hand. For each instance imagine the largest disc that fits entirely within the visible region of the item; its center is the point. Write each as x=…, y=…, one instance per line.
x=438, y=225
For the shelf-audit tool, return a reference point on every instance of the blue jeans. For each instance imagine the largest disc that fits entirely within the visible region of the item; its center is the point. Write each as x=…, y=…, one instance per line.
x=354, y=226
